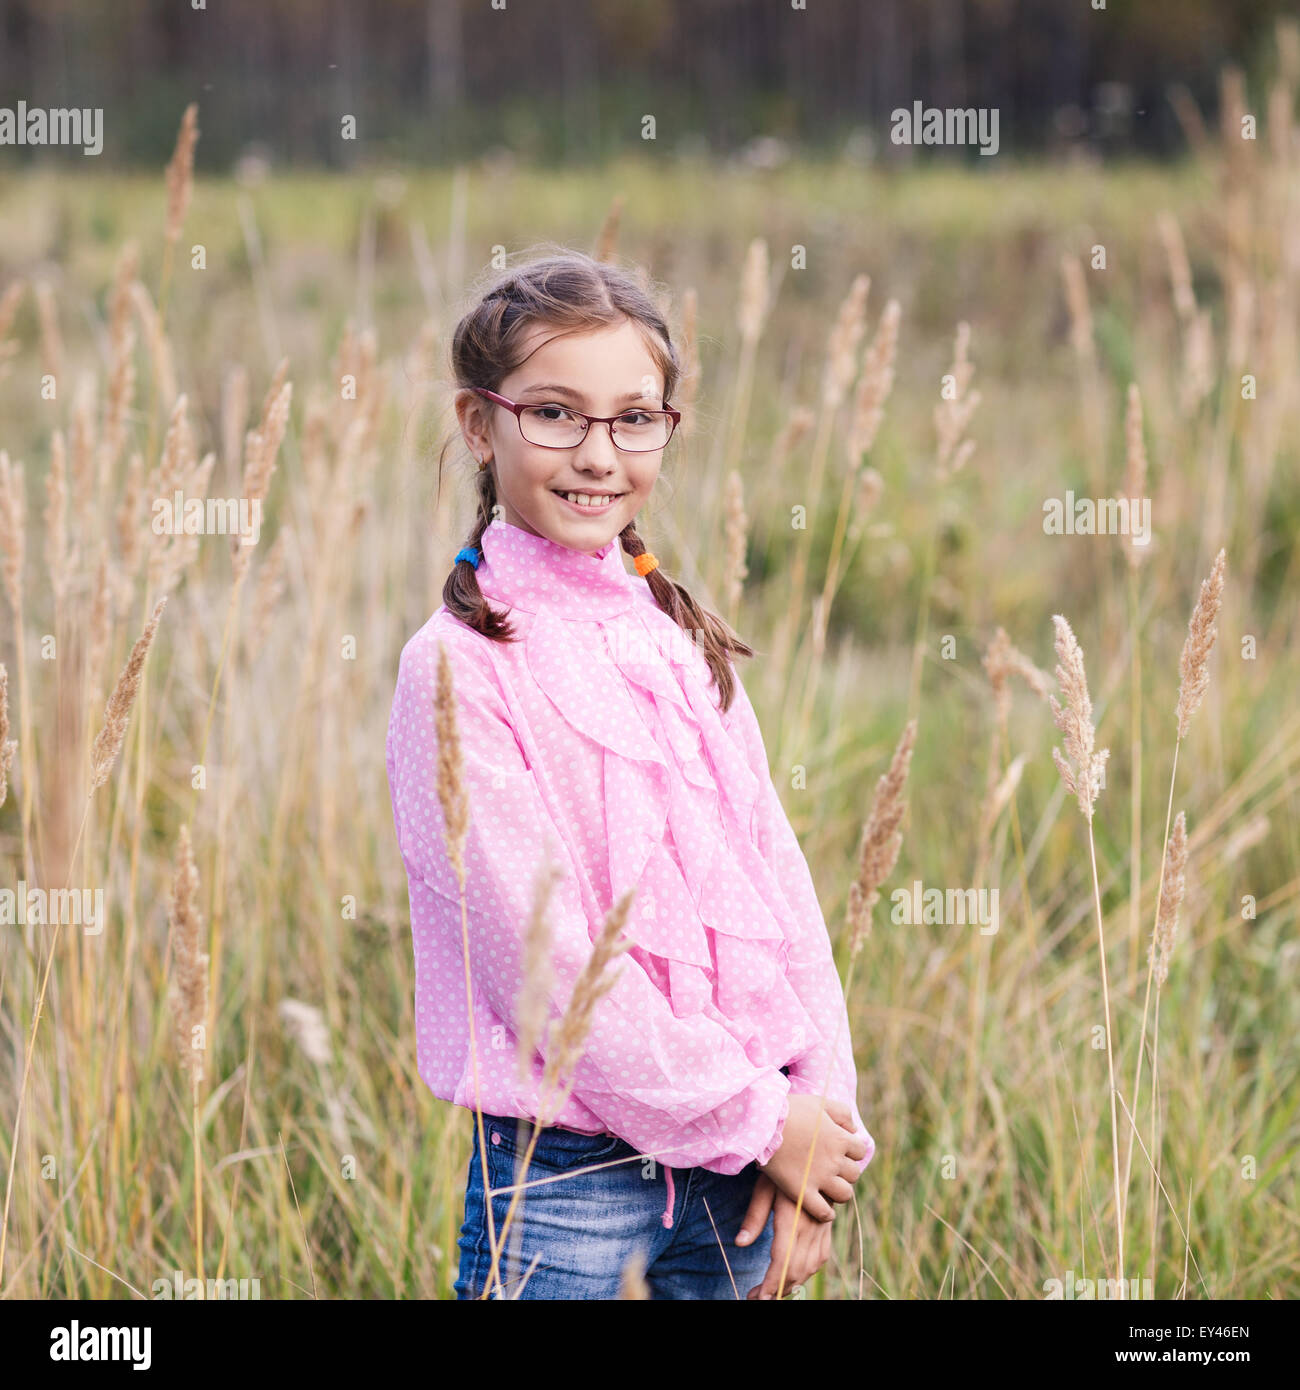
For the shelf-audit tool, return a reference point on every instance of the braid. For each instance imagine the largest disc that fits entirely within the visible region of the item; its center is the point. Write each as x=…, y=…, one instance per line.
x=461, y=593
x=715, y=638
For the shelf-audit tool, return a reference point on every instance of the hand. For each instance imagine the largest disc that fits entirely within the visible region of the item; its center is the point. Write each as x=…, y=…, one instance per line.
x=811, y=1239
x=829, y=1134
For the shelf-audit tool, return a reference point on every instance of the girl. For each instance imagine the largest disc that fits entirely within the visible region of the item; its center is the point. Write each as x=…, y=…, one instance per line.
x=598, y=741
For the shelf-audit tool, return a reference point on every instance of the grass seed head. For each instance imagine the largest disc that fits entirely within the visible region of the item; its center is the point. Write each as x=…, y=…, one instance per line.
x=180, y=172
x=7, y=745
x=1081, y=768
x=189, y=991
x=451, y=782
x=1194, y=663
x=117, y=713
x=1173, y=885
x=881, y=840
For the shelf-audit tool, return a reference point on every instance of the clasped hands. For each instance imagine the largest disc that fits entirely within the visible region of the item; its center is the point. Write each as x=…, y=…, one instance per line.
x=826, y=1129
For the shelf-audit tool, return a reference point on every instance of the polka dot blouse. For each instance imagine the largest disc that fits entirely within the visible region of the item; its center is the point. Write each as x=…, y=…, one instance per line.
x=595, y=745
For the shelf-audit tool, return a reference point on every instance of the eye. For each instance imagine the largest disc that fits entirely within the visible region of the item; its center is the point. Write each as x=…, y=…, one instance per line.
x=635, y=417
x=558, y=412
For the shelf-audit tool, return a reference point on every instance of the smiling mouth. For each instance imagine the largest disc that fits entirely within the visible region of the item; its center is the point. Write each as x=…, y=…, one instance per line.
x=603, y=506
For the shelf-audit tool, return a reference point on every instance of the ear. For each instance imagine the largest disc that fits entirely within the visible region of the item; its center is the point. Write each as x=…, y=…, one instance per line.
x=472, y=418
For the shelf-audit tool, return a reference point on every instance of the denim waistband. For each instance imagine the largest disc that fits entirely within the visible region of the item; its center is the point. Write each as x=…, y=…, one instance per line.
x=528, y=1119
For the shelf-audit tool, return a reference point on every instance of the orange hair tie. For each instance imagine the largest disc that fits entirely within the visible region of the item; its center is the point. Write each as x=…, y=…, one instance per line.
x=645, y=562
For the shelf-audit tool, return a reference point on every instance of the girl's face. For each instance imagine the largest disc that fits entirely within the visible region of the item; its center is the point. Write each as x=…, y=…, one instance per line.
x=603, y=372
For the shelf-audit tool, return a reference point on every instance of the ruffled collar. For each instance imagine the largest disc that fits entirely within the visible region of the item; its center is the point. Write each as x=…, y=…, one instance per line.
x=538, y=575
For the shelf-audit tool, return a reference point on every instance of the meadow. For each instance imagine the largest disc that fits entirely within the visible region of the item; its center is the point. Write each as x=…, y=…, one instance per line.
x=237, y=816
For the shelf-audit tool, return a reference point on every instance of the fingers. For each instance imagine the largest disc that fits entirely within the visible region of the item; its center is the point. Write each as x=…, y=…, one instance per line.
x=840, y=1113
x=817, y=1207
x=849, y=1171
x=817, y=1250
x=786, y=1232
x=814, y=1205
x=837, y=1190
x=760, y=1203
x=783, y=1229
x=843, y=1116
x=811, y=1249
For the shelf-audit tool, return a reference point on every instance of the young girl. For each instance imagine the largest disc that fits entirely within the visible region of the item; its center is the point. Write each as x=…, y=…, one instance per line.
x=604, y=733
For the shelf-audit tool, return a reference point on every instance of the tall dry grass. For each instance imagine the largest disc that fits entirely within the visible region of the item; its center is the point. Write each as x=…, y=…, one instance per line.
x=312, y=1156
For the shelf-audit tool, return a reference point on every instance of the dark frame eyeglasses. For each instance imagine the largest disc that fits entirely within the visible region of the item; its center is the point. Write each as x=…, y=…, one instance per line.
x=674, y=419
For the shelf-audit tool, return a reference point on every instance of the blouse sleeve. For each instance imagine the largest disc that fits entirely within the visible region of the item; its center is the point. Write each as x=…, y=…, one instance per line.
x=681, y=1089
x=828, y=1063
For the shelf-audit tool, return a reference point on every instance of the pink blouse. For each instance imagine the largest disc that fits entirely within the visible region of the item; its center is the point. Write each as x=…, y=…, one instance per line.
x=596, y=743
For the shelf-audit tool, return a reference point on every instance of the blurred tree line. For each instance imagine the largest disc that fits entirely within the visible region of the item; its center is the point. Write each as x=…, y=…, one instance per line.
x=571, y=80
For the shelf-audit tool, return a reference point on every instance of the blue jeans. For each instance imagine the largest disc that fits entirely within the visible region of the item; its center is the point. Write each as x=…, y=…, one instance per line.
x=571, y=1237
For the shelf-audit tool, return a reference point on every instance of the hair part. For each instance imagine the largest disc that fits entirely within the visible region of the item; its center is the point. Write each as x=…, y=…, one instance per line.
x=572, y=292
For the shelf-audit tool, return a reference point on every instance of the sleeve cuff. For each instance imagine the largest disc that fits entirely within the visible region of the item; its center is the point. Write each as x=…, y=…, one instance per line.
x=765, y=1154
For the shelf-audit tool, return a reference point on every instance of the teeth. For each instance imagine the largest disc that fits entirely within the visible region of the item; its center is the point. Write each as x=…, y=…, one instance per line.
x=584, y=499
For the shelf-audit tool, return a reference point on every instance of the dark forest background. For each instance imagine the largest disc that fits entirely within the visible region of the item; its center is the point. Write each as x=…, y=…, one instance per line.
x=569, y=80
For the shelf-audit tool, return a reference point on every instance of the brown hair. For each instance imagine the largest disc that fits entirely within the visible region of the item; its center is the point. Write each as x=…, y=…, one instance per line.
x=573, y=292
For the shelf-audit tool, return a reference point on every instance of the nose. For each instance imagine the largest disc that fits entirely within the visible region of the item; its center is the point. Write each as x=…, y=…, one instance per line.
x=597, y=453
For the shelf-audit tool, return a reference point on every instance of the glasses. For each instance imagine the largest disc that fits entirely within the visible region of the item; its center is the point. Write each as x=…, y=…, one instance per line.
x=553, y=426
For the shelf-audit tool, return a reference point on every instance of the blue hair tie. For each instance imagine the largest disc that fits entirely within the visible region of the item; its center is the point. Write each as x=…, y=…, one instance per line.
x=468, y=553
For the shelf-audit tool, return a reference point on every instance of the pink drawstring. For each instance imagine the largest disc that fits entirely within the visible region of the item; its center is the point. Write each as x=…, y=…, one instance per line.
x=668, y=1210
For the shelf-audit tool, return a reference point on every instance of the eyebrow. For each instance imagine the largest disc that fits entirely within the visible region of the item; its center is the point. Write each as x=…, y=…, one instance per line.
x=555, y=389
